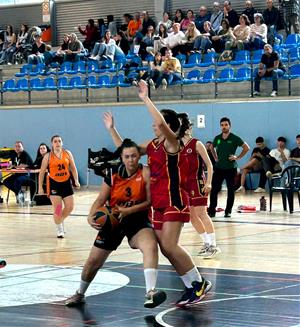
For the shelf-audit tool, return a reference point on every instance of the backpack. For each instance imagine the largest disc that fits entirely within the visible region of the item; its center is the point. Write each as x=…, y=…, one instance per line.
x=226, y=55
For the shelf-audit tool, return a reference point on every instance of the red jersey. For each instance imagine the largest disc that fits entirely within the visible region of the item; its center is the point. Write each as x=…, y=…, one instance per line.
x=127, y=191
x=168, y=174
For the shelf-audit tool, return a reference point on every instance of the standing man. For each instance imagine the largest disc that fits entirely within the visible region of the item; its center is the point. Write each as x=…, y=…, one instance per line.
x=225, y=144
x=291, y=15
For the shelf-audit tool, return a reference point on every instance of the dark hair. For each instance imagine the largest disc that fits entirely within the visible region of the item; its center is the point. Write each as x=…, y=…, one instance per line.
x=209, y=142
x=155, y=62
x=127, y=15
x=11, y=30
x=185, y=124
x=163, y=34
x=298, y=136
x=127, y=143
x=225, y=119
x=26, y=29
x=226, y=21
x=281, y=139
x=38, y=155
x=190, y=11
x=54, y=136
x=246, y=18
x=259, y=139
x=91, y=22
x=101, y=22
x=171, y=118
x=110, y=18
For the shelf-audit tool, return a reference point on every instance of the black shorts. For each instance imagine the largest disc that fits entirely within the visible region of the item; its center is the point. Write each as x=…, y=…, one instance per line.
x=129, y=226
x=62, y=189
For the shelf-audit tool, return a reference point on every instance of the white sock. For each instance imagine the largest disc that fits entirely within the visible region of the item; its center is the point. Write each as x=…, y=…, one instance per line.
x=207, y=239
x=150, y=278
x=212, y=237
x=203, y=237
x=60, y=228
x=83, y=287
x=191, y=276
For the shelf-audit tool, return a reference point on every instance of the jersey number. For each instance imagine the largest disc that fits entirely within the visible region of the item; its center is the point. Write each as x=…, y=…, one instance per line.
x=128, y=192
x=61, y=167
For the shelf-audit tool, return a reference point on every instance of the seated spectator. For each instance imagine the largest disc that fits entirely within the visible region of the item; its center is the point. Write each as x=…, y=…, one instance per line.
x=249, y=11
x=122, y=42
x=126, y=19
x=185, y=22
x=291, y=13
x=49, y=55
x=134, y=26
x=241, y=35
x=255, y=164
x=230, y=14
x=294, y=158
x=147, y=41
x=274, y=162
x=190, y=36
x=166, y=21
x=61, y=51
x=201, y=18
x=170, y=70
x=270, y=66
x=74, y=49
x=147, y=21
x=21, y=41
x=224, y=35
x=179, y=16
x=175, y=39
x=106, y=49
x=91, y=34
x=160, y=41
x=41, y=151
x=10, y=46
x=258, y=33
x=20, y=160
x=37, y=52
x=203, y=43
x=216, y=17
x=271, y=17
x=111, y=25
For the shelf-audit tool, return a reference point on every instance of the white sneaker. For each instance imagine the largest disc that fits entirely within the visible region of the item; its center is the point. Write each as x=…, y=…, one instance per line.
x=273, y=94
x=269, y=174
x=211, y=252
x=240, y=189
x=164, y=84
x=203, y=249
x=256, y=93
x=260, y=190
x=152, y=84
x=60, y=230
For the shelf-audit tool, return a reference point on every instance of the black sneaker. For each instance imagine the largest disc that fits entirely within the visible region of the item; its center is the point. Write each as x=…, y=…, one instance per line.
x=182, y=302
x=227, y=215
x=200, y=289
x=75, y=300
x=211, y=214
x=154, y=298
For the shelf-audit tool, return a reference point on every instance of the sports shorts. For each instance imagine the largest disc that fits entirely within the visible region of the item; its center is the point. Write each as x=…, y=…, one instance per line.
x=159, y=216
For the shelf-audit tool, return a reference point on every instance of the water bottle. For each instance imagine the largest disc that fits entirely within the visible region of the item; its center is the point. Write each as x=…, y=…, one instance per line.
x=263, y=204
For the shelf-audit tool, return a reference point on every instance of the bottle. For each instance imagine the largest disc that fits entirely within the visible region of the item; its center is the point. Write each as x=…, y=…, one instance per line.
x=263, y=204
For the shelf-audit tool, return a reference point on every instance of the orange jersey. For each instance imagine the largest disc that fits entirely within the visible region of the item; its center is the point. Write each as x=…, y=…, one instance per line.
x=59, y=168
x=127, y=191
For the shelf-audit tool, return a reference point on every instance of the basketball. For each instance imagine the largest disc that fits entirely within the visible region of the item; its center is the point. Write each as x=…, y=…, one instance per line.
x=106, y=218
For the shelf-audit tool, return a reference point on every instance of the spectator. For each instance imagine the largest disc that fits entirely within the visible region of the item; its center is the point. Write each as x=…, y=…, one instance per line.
x=270, y=66
x=126, y=19
x=291, y=15
x=147, y=21
x=10, y=46
x=20, y=160
x=101, y=28
x=147, y=41
x=204, y=42
x=294, y=158
x=160, y=41
x=185, y=22
x=38, y=50
x=74, y=49
x=179, y=16
x=271, y=17
x=226, y=144
x=216, y=17
x=134, y=26
x=202, y=17
x=122, y=42
x=255, y=164
x=171, y=70
x=61, y=51
x=41, y=151
x=224, y=35
x=111, y=25
x=241, y=35
x=21, y=41
x=175, y=39
x=274, y=162
x=249, y=11
x=91, y=34
x=230, y=14
x=258, y=33
x=166, y=21
x=190, y=36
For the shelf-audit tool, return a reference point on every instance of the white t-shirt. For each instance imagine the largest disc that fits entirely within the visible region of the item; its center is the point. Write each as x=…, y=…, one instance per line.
x=262, y=30
x=275, y=153
x=175, y=39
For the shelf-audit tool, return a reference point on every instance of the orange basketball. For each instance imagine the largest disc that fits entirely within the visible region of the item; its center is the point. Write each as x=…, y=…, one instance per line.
x=106, y=218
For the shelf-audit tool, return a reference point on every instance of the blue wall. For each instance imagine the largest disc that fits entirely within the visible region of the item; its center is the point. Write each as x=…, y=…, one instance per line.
x=82, y=127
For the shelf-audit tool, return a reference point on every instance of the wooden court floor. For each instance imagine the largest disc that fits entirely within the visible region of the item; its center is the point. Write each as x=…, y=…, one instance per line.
x=255, y=279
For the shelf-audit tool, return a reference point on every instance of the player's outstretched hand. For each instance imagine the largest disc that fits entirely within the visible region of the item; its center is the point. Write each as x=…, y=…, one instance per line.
x=143, y=90
x=108, y=120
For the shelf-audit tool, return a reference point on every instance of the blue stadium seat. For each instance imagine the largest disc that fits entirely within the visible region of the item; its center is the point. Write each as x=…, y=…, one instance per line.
x=9, y=86
x=76, y=83
x=294, y=72
x=62, y=83
x=65, y=68
x=119, y=57
x=292, y=40
x=92, y=66
x=103, y=81
x=241, y=57
x=243, y=74
x=193, y=60
x=149, y=57
x=105, y=66
x=39, y=69
x=49, y=83
x=91, y=81
x=25, y=70
x=208, y=76
x=192, y=77
x=256, y=56
x=226, y=75
x=36, y=84
x=182, y=58
x=79, y=67
x=22, y=84
x=207, y=60
x=119, y=80
x=120, y=63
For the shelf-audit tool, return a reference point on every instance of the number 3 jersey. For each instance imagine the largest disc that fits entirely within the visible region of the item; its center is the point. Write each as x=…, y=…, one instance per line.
x=59, y=167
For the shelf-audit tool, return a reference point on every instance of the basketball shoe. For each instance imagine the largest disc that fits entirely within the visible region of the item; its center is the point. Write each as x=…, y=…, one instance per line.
x=154, y=298
x=74, y=300
x=210, y=252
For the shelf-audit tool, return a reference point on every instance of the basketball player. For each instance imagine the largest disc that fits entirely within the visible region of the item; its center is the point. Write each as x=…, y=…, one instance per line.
x=128, y=192
x=61, y=166
x=169, y=200
x=198, y=187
